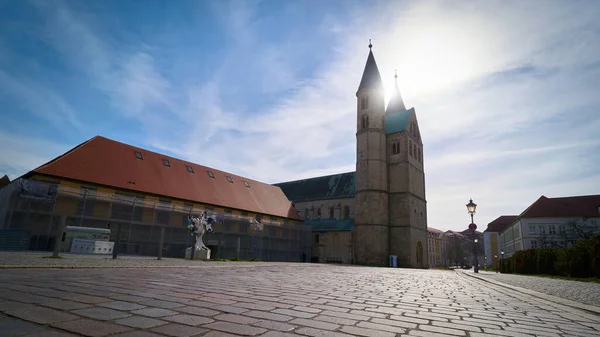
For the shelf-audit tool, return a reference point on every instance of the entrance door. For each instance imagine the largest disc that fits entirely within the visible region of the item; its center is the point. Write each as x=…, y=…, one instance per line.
x=419, y=254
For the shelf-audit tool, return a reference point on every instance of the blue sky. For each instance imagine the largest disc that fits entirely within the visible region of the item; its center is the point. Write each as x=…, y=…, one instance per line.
x=506, y=93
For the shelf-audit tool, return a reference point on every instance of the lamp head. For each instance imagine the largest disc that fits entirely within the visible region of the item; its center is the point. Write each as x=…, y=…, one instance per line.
x=471, y=206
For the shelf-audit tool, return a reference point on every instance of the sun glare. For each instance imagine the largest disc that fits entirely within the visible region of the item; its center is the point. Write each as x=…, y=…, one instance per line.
x=432, y=59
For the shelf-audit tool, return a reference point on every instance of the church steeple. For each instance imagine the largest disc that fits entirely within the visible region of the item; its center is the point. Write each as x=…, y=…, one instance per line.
x=396, y=103
x=371, y=78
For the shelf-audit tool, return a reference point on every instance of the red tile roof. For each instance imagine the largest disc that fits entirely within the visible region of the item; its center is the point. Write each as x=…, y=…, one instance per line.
x=578, y=206
x=500, y=223
x=107, y=162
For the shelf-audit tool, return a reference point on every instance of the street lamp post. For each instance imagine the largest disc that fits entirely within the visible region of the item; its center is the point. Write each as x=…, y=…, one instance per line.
x=485, y=262
x=471, y=206
x=496, y=264
x=501, y=253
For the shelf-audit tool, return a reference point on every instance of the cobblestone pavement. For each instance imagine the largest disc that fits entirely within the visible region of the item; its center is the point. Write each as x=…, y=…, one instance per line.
x=583, y=292
x=40, y=259
x=275, y=300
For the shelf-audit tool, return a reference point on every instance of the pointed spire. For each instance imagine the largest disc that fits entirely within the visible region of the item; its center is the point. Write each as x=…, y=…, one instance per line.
x=371, y=77
x=396, y=103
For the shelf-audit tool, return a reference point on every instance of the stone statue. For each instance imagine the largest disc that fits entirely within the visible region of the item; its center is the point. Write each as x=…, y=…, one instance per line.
x=199, y=226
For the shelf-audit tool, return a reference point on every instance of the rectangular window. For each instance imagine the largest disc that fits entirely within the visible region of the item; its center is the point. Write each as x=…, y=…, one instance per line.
x=246, y=183
x=189, y=168
x=138, y=155
x=210, y=174
x=531, y=229
x=166, y=162
x=229, y=179
x=542, y=229
x=534, y=244
x=552, y=229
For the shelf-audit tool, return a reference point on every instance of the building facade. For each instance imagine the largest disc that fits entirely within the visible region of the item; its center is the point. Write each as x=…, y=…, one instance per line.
x=552, y=222
x=107, y=184
x=491, y=239
x=385, y=196
x=437, y=246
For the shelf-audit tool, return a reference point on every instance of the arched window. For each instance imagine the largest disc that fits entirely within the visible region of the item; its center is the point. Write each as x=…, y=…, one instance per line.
x=410, y=148
x=415, y=150
x=318, y=213
x=331, y=213
x=419, y=155
x=398, y=147
x=346, y=212
x=394, y=150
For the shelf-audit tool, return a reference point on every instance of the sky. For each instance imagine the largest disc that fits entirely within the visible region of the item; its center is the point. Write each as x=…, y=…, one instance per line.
x=506, y=92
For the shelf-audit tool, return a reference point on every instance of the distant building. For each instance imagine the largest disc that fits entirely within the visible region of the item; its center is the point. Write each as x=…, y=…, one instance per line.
x=104, y=183
x=492, y=243
x=437, y=243
x=383, y=201
x=552, y=222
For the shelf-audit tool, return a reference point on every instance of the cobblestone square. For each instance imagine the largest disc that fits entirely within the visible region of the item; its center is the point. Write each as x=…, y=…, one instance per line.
x=276, y=300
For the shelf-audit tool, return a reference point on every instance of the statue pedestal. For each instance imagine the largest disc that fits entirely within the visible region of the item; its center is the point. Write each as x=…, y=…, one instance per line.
x=199, y=254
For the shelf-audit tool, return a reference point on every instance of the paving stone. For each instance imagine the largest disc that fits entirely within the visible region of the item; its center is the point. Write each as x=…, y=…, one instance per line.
x=197, y=311
x=154, y=312
x=188, y=319
x=441, y=330
x=161, y=304
x=382, y=327
x=178, y=330
x=42, y=315
x=235, y=328
x=294, y=313
x=92, y=328
x=267, y=315
x=426, y=334
x=140, y=322
x=65, y=305
x=274, y=325
x=103, y=314
x=366, y=332
x=84, y=298
x=254, y=306
x=119, y=305
x=219, y=334
x=11, y=326
x=229, y=309
x=137, y=333
x=335, y=320
x=50, y=333
x=278, y=334
x=235, y=319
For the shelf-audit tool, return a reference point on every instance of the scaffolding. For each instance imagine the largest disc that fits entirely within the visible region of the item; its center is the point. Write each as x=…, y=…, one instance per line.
x=31, y=211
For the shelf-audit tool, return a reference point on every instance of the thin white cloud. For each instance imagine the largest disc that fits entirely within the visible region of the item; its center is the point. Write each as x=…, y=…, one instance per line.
x=21, y=154
x=41, y=100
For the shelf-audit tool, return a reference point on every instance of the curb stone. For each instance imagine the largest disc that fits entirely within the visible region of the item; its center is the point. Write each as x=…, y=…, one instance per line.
x=551, y=298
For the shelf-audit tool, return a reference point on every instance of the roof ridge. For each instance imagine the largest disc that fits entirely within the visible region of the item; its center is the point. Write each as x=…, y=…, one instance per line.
x=327, y=176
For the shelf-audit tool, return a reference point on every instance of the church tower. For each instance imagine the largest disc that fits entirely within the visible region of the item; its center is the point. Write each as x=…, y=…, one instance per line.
x=371, y=220
x=407, y=203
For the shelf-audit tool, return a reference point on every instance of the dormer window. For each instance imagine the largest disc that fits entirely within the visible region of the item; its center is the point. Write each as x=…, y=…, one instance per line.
x=166, y=162
x=229, y=179
x=211, y=174
x=189, y=168
x=139, y=155
x=364, y=103
x=246, y=183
